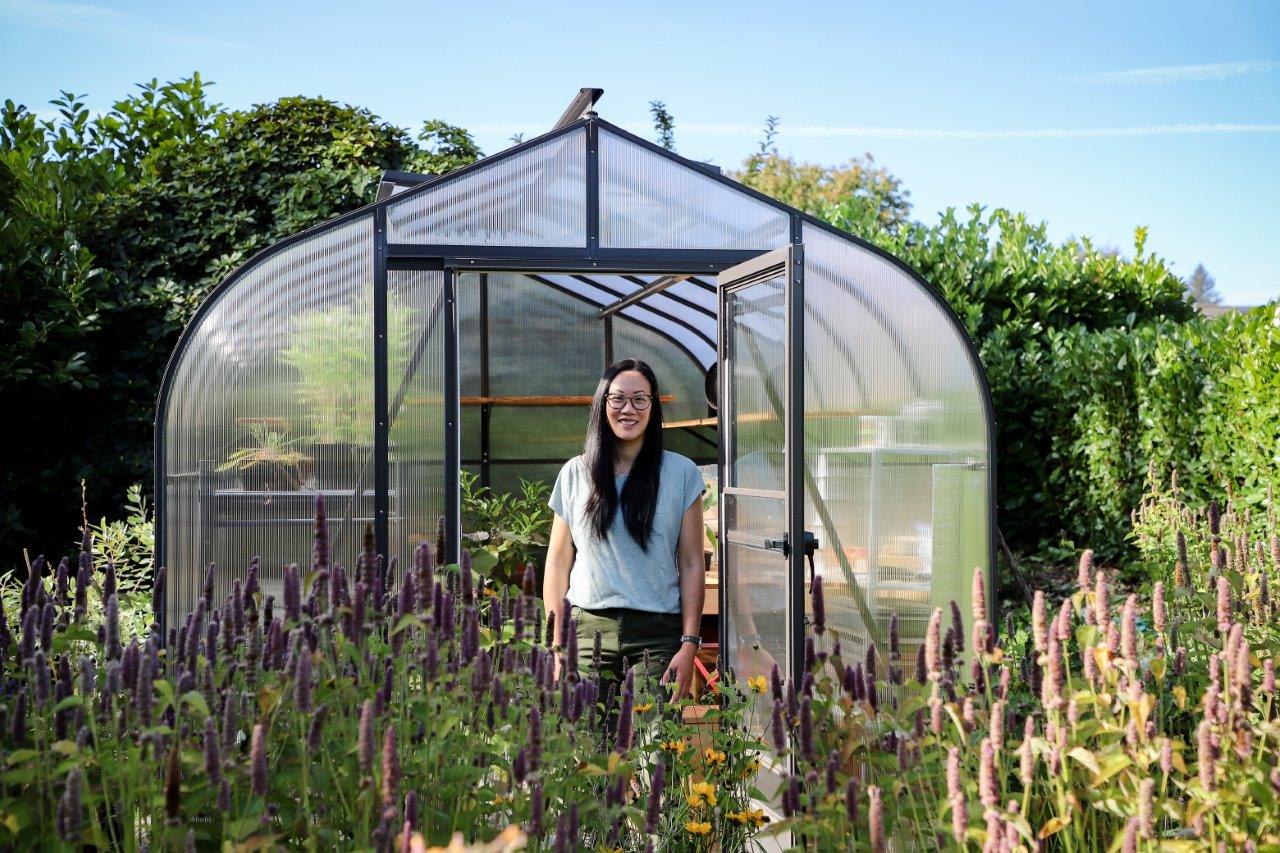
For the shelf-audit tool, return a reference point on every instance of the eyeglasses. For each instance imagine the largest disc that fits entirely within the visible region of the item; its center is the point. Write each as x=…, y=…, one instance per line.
x=617, y=401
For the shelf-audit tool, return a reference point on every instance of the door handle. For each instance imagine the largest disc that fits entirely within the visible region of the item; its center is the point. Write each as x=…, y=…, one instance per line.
x=810, y=546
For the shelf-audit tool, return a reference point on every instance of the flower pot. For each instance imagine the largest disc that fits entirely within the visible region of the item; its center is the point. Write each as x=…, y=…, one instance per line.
x=269, y=477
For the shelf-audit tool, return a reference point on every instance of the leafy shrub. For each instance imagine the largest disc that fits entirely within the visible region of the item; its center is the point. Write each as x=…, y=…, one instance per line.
x=127, y=544
x=508, y=531
x=113, y=228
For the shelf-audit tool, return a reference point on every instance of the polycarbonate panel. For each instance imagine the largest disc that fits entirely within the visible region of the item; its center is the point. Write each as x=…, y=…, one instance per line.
x=534, y=198
x=895, y=445
x=541, y=341
x=648, y=201
x=416, y=416
x=278, y=372
x=688, y=327
x=679, y=375
x=537, y=432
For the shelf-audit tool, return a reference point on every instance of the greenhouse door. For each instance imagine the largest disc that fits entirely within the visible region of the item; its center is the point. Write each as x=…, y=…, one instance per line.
x=761, y=492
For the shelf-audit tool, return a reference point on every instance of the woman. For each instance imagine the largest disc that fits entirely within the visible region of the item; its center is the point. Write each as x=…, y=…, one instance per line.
x=626, y=541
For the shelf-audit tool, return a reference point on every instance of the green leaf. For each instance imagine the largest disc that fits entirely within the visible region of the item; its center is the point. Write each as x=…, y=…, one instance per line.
x=196, y=700
x=75, y=700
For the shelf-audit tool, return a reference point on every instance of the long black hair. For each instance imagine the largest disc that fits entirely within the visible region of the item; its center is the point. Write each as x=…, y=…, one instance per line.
x=639, y=497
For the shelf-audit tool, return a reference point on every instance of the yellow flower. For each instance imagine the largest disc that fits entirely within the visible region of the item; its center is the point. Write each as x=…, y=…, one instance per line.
x=702, y=793
x=750, y=769
x=696, y=828
x=490, y=592
x=640, y=709
x=676, y=746
x=714, y=757
x=757, y=683
x=756, y=817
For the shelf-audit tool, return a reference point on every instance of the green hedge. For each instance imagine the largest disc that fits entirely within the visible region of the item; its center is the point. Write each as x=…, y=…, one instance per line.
x=1201, y=397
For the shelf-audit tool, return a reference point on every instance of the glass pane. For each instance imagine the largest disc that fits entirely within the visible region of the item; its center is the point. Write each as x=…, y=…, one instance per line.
x=895, y=445
x=534, y=198
x=757, y=374
x=756, y=579
x=271, y=403
x=415, y=385
x=648, y=201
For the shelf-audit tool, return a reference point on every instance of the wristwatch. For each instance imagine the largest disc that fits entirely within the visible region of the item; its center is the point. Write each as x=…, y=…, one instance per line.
x=692, y=638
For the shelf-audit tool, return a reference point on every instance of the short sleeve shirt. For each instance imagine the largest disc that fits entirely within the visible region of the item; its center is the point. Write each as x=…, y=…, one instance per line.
x=615, y=571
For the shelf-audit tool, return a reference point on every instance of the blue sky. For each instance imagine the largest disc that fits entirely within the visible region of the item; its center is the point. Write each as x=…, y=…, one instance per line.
x=1096, y=118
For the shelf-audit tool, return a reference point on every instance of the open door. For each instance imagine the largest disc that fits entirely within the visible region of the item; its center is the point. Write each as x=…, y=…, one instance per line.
x=761, y=488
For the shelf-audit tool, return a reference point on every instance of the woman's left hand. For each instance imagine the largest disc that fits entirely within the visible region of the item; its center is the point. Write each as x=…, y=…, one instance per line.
x=682, y=663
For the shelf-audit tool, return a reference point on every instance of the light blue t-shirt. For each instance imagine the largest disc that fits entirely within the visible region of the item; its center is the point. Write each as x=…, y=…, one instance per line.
x=615, y=571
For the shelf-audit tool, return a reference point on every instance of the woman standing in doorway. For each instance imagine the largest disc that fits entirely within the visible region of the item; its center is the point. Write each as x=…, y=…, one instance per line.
x=626, y=540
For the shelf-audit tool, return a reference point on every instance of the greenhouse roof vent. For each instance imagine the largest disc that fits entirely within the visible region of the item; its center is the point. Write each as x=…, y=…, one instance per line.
x=395, y=182
x=582, y=103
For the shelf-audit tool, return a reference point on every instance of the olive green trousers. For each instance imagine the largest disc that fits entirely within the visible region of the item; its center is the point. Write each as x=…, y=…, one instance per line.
x=626, y=634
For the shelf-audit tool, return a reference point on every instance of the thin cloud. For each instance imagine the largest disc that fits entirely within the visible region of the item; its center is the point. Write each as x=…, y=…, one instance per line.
x=97, y=19
x=53, y=15
x=1183, y=73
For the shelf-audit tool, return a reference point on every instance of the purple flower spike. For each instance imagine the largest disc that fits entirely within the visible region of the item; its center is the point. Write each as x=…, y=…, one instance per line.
x=158, y=594
x=48, y=619
x=258, y=760
x=30, y=627
x=302, y=684
x=60, y=585
x=422, y=564
x=655, y=799
x=535, y=810
x=364, y=743
x=819, y=609
x=292, y=593
x=320, y=548
x=212, y=754
x=390, y=769
x=70, y=810
x=210, y=578
x=42, y=686
x=316, y=730
x=778, y=728
x=623, y=740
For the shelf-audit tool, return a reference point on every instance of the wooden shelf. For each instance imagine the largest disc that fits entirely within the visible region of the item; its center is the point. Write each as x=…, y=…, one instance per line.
x=756, y=417
x=690, y=424
x=571, y=400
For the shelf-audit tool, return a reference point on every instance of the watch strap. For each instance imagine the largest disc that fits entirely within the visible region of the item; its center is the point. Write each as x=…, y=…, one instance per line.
x=691, y=638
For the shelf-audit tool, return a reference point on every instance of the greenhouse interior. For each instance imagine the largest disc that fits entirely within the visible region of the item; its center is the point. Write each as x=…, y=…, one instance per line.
x=461, y=322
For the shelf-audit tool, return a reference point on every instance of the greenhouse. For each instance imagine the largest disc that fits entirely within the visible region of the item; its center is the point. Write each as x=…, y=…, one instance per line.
x=460, y=324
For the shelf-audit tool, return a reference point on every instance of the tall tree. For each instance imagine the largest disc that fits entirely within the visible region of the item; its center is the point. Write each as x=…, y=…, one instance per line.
x=1202, y=287
x=664, y=125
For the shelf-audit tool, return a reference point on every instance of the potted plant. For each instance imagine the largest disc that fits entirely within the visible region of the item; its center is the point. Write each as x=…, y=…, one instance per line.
x=269, y=463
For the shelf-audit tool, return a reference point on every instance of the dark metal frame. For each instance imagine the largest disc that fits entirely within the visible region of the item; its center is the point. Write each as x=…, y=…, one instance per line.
x=587, y=259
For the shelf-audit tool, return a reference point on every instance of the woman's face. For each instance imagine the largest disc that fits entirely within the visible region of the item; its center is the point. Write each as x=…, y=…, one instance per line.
x=628, y=423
